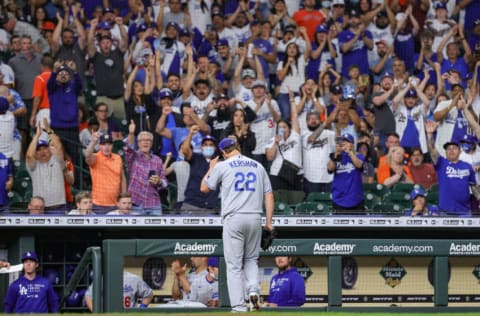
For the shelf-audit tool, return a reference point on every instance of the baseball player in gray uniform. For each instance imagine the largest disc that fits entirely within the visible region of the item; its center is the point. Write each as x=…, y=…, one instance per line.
x=244, y=184
x=133, y=288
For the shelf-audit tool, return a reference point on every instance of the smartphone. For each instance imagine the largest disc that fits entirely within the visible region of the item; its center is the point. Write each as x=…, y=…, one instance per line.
x=151, y=173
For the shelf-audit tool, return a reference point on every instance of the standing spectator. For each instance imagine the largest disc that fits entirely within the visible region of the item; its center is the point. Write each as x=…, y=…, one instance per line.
x=287, y=287
x=172, y=49
x=26, y=65
x=439, y=25
x=45, y=164
x=31, y=293
x=83, y=201
x=106, y=169
x=422, y=173
x=106, y=125
x=145, y=172
x=41, y=102
x=67, y=46
x=454, y=177
x=6, y=180
x=404, y=41
x=197, y=202
x=394, y=171
x=309, y=18
x=64, y=86
x=108, y=68
x=199, y=11
x=317, y=145
x=268, y=114
x=424, y=61
x=355, y=42
x=286, y=145
x=239, y=129
x=382, y=100
x=174, y=14
x=36, y=206
x=194, y=286
x=7, y=129
x=291, y=72
x=346, y=166
x=419, y=205
x=124, y=205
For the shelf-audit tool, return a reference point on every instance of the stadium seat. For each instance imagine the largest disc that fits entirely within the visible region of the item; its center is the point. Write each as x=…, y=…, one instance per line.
x=283, y=209
x=371, y=200
x=313, y=208
x=22, y=184
x=376, y=188
x=403, y=187
x=432, y=197
x=319, y=197
x=401, y=198
x=20, y=169
x=289, y=197
x=389, y=209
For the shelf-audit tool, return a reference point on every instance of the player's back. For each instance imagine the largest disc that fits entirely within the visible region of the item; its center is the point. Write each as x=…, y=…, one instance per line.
x=244, y=183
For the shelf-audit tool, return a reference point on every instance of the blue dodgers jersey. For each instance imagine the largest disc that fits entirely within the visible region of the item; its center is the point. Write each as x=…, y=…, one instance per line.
x=347, y=188
x=35, y=296
x=5, y=173
x=454, y=181
x=287, y=289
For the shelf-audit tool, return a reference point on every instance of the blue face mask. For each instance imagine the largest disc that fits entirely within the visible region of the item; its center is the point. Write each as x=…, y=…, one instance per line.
x=281, y=131
x=208, y=151
x=326, y=4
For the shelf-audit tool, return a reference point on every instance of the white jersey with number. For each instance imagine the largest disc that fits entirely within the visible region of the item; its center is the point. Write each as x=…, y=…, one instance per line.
x=263, y=126
x=243, y=183
x=316, y=156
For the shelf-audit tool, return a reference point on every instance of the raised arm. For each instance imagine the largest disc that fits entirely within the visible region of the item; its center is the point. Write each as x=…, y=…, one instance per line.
x=238, y=69
x=123, y=44
x=56, y=34
x=186, y=148
x=187, y=85
x=430, y=128
x=160, y=127
x=128, y=87
x=91, y=49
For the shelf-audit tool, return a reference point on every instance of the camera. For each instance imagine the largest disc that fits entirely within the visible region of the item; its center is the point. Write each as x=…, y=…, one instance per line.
x=151, y=173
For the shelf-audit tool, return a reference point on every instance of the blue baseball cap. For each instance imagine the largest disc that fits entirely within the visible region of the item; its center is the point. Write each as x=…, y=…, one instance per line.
x=416, y=193
x=209, y=137
x=222, y=42
x=226, y=142
x=108, y=10
x=142, y=28
x=411, y=94
x=440, y=5
x=450, y=143
x=3, y=104
x=348, y=137
x=172, y=24
x=322, y=28
x=387, y=74
x=41, y=143
x=104, y=26
x=184, y=32
x=213, y=262
x=166, y=93
x=30, y=255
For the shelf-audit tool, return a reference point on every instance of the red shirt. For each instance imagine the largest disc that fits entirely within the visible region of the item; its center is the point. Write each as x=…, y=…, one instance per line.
x=310, y=20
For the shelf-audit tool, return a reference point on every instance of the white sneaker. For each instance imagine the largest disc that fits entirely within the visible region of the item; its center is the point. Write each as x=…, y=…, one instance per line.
x=254, y=301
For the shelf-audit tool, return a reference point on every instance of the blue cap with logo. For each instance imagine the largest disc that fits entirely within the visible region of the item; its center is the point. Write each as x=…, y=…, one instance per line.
x=411, y=93
x=166, y=93
x=322, y=28
x=416, y=193
x=226, y=142
x=222, y=42
x=104, y=26
x=387, y=74
x=348, y=137
x=209, y=137
x=440, y=5
x=30, y=255
x=42, y=143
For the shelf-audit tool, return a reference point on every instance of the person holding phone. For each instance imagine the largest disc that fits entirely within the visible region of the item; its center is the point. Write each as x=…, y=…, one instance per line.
x=145, y=173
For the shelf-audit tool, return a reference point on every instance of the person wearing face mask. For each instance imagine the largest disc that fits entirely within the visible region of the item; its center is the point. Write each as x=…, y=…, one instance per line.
x=196, y=202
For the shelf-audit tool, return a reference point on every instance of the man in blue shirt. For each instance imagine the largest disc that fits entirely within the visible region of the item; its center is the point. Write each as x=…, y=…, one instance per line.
x=31, y=293
x=287, y=288
x=419, y=205
x=347, y=167
x=454, y=177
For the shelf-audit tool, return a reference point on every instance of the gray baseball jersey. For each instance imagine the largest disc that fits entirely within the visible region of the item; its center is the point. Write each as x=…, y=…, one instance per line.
x=200, y=289
x=133, y=288
x=243, y=183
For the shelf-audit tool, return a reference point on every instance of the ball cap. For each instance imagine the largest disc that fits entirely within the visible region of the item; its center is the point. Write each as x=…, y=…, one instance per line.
x=30, y=255
x=322, y=28
x=3, y=104
x=41, y=143
x=222, y=42
x=226, y=142
x=209, y=137
x=416, y=193
x=354, y=13
x=387, y=74
x=104, y=26
x=106, y=139
x=348, y=137
x=440, y=5
x=213, y=262
x=411, y=94
x=173, y=24
x=258, y=83
x=248, y=73
x=166, y=93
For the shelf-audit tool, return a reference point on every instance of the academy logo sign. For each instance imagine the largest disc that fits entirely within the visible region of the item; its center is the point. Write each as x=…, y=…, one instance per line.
x=333, y=249
x=393, y=273
x=464, y=249
x=194, y=249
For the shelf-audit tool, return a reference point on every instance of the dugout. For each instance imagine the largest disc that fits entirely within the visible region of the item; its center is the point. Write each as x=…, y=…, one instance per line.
x=354, y=262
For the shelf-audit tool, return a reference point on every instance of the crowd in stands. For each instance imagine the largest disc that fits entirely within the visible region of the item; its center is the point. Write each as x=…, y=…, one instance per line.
x=129, y=100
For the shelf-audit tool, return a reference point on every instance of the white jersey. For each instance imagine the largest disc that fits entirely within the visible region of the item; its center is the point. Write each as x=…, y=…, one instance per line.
x=201, y=290
x=243, y=93
x=228, y=34
x=243, y=182
x=401, y=120
x=263, y=126
x=200, y=16
x=446, y=126
x=199, y=106
x=291, y=149
x=7, y=129
x=317, y=155
x=294, y=80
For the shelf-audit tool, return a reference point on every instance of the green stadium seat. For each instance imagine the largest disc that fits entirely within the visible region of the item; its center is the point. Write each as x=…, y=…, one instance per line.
x=371, y=200
x=376, y=188
x=22, y=184
x=319, y=197
x=403, y=187
x=389, y=209
x=313, y=208
x=288, y=196
x=283, y=209
x=432, y=197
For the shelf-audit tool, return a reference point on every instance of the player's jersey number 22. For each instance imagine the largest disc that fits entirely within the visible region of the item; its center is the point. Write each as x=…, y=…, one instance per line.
x=245, y=181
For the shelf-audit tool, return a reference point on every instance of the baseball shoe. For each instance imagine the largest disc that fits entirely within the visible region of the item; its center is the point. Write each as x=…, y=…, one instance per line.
x=254, y=301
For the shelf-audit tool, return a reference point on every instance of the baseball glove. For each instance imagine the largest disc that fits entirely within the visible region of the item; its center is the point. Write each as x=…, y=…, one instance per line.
x=267, y=238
